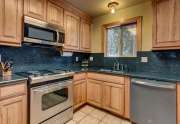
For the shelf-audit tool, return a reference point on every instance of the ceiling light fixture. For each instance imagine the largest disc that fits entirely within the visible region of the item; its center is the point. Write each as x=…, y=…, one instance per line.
x=112, y=6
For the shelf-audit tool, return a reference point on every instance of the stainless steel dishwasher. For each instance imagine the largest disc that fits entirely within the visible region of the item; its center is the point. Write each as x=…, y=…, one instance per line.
x=153, y=102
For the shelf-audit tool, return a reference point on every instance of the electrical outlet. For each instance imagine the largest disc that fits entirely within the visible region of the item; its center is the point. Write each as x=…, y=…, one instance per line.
x=144, y=59
x=91, y=59
x=77, y=59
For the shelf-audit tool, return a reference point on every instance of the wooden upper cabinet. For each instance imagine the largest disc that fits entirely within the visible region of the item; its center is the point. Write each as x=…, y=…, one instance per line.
x=85, y=36
x=54, y=14
x=35, y=9
x=72, y=29
x=11, y=16
x=166, y=27
x=113, y=98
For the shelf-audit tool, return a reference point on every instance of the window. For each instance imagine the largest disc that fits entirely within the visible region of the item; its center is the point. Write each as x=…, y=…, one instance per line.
x=122, y=39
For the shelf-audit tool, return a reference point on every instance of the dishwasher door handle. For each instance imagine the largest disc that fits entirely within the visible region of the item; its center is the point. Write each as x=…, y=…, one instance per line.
x=154, y=84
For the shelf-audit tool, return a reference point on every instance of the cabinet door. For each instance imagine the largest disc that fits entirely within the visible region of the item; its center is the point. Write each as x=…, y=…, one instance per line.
x=11, y=16
x=85, y=42
x=35, y=8
x=114, y=98
x=166, y=24
x=13, y=111
x=72, y=29
x=94, y=92
x=54, y=14
x=178, y=103
x=79, y=93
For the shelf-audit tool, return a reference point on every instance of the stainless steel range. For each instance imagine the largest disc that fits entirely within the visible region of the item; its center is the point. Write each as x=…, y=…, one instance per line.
x=51, y=98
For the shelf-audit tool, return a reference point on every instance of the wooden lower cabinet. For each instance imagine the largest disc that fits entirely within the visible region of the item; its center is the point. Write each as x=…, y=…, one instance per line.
x=13, y=110
x=178, y=103
x=79, y=93
x=13, y=103
x=111, y=93
x=94, y=92
x=113, y=98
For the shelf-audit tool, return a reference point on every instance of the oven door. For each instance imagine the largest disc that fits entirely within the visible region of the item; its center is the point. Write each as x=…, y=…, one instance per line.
x=48, y=100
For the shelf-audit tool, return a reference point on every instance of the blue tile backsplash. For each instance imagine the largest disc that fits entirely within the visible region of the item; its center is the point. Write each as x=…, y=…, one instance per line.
x=167, y=62
x=33, y=58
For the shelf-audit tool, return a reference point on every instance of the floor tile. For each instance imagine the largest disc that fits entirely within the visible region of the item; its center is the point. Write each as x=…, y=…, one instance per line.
x=87, y=109
x=91, y=115
x=101, y=122
x=98, y=114
x=78, y=116
x=125, y=122
x=89, y=120
x=71, y=122
x=110, y=119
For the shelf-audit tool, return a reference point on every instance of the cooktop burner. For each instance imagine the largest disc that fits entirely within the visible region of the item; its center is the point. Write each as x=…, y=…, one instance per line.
x=42, y=73
x=46, y=75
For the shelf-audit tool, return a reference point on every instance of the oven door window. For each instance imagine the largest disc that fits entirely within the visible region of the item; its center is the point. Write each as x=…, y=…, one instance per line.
x=39, y=33
x=54, y=98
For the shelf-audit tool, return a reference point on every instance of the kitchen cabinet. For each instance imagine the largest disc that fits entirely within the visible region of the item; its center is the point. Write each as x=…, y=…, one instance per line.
x=11, y=17
x=178, y=103
x=13, y=104
x=72, y=30
x=127, y=99
x=109, y=92
x=35, y=9
x=79, y=88
x=55, y=14
x=79, y=93
x=94, y=92
x=13, y=110
x=85, y=36
x=113, y=98
x=166, y=24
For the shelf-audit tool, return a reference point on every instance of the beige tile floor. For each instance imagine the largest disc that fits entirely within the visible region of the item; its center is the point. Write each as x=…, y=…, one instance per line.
x=91, y=115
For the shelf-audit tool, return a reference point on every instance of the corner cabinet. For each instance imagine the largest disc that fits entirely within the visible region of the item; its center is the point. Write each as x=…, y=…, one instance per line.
x=166, y=24
x=109, y=92
x=35, y=9
x=55, y=14
x=11, y=19
x=72, y=30
x=85, y=36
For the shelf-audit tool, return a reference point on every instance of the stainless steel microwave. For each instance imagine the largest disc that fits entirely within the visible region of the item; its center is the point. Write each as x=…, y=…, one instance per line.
x=40, y=32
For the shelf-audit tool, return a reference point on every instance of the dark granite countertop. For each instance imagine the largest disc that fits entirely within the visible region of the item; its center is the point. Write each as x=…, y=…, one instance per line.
x=143, y=75
x=11, y=79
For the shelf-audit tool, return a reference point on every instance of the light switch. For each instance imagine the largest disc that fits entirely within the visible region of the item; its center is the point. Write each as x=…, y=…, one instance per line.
x=91, y=59
x=77, y=59
x=144, y=59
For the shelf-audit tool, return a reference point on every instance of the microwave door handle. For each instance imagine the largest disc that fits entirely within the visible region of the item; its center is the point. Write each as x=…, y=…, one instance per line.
x=58, y=37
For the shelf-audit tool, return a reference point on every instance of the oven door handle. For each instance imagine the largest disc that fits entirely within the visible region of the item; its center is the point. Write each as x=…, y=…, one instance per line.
x=47, y=89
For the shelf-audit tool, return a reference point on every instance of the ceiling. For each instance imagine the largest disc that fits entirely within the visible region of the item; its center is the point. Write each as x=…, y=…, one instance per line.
x=99, y=7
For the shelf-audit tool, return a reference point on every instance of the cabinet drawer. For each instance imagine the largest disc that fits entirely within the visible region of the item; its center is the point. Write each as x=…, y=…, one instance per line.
x=12, y=90
x=79, y=76
x=106, y=78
